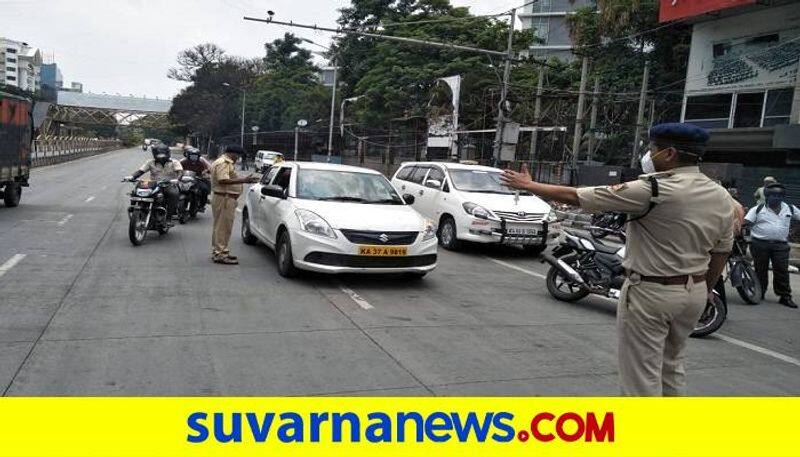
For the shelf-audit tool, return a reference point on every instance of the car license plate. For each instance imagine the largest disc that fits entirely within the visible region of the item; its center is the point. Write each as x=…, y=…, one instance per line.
x=517, y=231
x=383, y=251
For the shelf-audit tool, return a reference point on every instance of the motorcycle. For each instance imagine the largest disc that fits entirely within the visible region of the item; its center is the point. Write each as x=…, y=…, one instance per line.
x=148, y=209
x=580, y=266
x=602, y=223
x=193, y=200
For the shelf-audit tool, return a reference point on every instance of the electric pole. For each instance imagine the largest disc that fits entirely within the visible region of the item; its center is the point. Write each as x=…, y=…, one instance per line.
x=501, y=107
x=537, y=114
x=593, y=120
x=576, y=141
x=640, y=114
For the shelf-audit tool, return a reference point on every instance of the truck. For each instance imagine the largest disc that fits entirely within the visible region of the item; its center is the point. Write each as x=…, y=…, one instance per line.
x=16, y=138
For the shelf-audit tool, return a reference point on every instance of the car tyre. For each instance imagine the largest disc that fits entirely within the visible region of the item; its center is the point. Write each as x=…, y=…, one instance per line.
x=283, y=256
x=448, y=234
x=247, y=235
x=415, y=276
x=11, y=194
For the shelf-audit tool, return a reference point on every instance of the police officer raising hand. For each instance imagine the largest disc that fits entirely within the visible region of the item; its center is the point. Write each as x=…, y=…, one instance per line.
x=679, y=234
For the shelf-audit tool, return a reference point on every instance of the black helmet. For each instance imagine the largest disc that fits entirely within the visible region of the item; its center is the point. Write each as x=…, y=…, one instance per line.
x=192, y=154
x=161, y=153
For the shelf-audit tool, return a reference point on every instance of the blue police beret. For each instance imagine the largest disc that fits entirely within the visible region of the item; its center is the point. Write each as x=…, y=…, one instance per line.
x=680, y=135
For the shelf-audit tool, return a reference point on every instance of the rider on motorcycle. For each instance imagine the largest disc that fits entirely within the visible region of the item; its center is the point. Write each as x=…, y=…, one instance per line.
x=162, y=166
x=193, y=161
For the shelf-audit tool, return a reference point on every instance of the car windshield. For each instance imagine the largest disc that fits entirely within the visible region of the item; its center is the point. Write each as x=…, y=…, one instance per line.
x=348, y=186
x=479, y=181
x=271, y=155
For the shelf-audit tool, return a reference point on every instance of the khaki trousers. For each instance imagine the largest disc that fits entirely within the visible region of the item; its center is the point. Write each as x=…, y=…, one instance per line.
x=654, y=322
x=223, y=210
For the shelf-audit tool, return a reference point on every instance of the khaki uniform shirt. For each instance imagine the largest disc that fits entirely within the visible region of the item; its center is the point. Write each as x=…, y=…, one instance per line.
x=222, y=168
x=693, y=217
x=169, y=170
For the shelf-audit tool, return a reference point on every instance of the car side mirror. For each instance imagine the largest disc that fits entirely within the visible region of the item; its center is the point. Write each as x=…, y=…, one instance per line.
x=409, y=199
x=273, y=190
x=433, y=183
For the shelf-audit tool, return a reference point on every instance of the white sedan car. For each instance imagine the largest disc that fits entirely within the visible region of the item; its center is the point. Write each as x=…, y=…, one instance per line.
x=469, y=203
x=337, y=219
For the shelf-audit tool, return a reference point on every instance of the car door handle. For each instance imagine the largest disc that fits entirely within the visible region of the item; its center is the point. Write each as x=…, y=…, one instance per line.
x=421, y=192
x=403, y=187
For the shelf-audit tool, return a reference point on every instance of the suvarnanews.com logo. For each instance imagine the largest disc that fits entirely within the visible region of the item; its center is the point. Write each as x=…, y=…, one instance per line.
x=399, y=427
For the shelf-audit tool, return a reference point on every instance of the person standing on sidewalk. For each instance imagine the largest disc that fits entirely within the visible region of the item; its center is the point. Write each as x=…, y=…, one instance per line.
x=226, y=187
x=769, y=235
x=679, y=236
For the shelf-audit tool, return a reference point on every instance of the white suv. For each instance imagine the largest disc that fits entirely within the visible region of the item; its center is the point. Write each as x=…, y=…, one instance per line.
x=337, y=219
x=469, y=203
x=266, y=159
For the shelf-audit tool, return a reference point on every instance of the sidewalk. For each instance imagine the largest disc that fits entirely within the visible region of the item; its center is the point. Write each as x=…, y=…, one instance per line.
x=580, y=220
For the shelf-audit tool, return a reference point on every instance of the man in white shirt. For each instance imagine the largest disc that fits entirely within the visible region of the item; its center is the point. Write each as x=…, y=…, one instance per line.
x=770, y=240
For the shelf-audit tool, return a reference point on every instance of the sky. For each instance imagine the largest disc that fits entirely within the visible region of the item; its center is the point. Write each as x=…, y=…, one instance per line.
x=127, y=46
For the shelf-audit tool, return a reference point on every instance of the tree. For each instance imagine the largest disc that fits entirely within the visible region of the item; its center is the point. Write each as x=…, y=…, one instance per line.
x=192, y=59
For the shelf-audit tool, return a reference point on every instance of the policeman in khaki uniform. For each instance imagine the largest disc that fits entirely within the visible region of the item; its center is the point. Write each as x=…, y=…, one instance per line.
x=226, y=187
x=680, y=232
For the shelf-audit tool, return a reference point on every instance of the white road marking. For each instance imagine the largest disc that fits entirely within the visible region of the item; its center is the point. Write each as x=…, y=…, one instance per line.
x=238, y=210
x=356, y=298
x=64, y=220
x=759, y=349
x=90, y=199
x=15, y=259
x=520, y=269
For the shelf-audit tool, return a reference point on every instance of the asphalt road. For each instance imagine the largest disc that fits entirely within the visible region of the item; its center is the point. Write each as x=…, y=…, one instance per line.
x=82, y=312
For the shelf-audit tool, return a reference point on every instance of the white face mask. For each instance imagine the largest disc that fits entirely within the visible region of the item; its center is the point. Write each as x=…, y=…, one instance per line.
x=647, y=164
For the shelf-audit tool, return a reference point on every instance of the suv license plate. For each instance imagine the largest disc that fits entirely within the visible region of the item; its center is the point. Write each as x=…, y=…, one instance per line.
x=382, y=251
x=522, y=231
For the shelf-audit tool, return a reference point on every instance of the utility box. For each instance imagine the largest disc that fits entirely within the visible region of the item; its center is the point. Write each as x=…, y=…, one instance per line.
x=510, y=138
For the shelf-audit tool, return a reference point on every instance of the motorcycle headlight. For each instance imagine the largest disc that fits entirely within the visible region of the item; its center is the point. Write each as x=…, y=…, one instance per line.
x=429, y=231
x=478, y=211
x=312, y=222
x=142, y=192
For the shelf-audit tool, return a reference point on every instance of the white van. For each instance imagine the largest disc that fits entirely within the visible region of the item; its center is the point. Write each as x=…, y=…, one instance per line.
x=266, y=159
x=470, y=204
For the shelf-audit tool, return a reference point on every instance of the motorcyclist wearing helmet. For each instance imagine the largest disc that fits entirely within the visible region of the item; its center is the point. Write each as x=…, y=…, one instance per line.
x=195, y=162
x=162, y=166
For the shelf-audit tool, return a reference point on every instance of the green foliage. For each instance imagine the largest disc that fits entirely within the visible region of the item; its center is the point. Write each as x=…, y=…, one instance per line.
x=397, y=78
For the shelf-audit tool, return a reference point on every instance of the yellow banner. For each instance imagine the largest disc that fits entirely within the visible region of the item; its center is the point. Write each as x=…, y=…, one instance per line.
x=374, y=427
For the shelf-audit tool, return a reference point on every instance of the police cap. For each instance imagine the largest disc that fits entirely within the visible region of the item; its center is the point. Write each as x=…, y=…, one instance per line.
x=684, y=137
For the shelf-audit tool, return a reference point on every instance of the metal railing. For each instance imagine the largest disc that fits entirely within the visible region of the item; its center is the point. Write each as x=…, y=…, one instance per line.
x=49, y=151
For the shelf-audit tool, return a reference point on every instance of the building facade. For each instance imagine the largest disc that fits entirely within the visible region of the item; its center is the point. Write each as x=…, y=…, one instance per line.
x=547, y=20
x=20, y=65
x=742, y=83
x=51, y=76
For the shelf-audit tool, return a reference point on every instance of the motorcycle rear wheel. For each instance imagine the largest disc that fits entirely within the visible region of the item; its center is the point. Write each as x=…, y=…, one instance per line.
x=750, y=289
x=712, y=318
x=562, y=288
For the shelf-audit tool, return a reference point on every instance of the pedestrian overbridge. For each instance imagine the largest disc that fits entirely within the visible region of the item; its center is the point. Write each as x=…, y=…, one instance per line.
x=76, y=108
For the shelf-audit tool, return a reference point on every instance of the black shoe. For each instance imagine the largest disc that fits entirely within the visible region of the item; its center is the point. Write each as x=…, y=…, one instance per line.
x=787, y=301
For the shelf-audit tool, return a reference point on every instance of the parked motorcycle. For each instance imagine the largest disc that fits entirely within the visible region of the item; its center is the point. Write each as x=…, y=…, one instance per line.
x=148, y=210
x=606, y=223
x=193, y=199
x=580, y=266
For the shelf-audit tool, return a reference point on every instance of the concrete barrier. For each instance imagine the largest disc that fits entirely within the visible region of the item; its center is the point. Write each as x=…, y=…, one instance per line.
x=49, y=151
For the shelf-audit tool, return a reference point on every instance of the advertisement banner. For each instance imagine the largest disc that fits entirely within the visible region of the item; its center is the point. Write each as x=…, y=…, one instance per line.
x=671, y=10
x=374, y=427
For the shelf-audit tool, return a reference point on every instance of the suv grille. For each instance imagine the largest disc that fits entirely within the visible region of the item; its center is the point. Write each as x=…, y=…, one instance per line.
x=357, y=261
x=380, y=238
x=517, y=217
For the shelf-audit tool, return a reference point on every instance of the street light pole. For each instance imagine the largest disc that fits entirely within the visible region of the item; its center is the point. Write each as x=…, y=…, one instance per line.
x=501, y=117
x=333, y=108
x=244, y=101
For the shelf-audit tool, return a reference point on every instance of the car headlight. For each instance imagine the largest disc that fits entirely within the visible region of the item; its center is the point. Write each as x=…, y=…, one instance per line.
x=478, y=211
x=429, y=231
x=552, y=217
x=312, y=222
